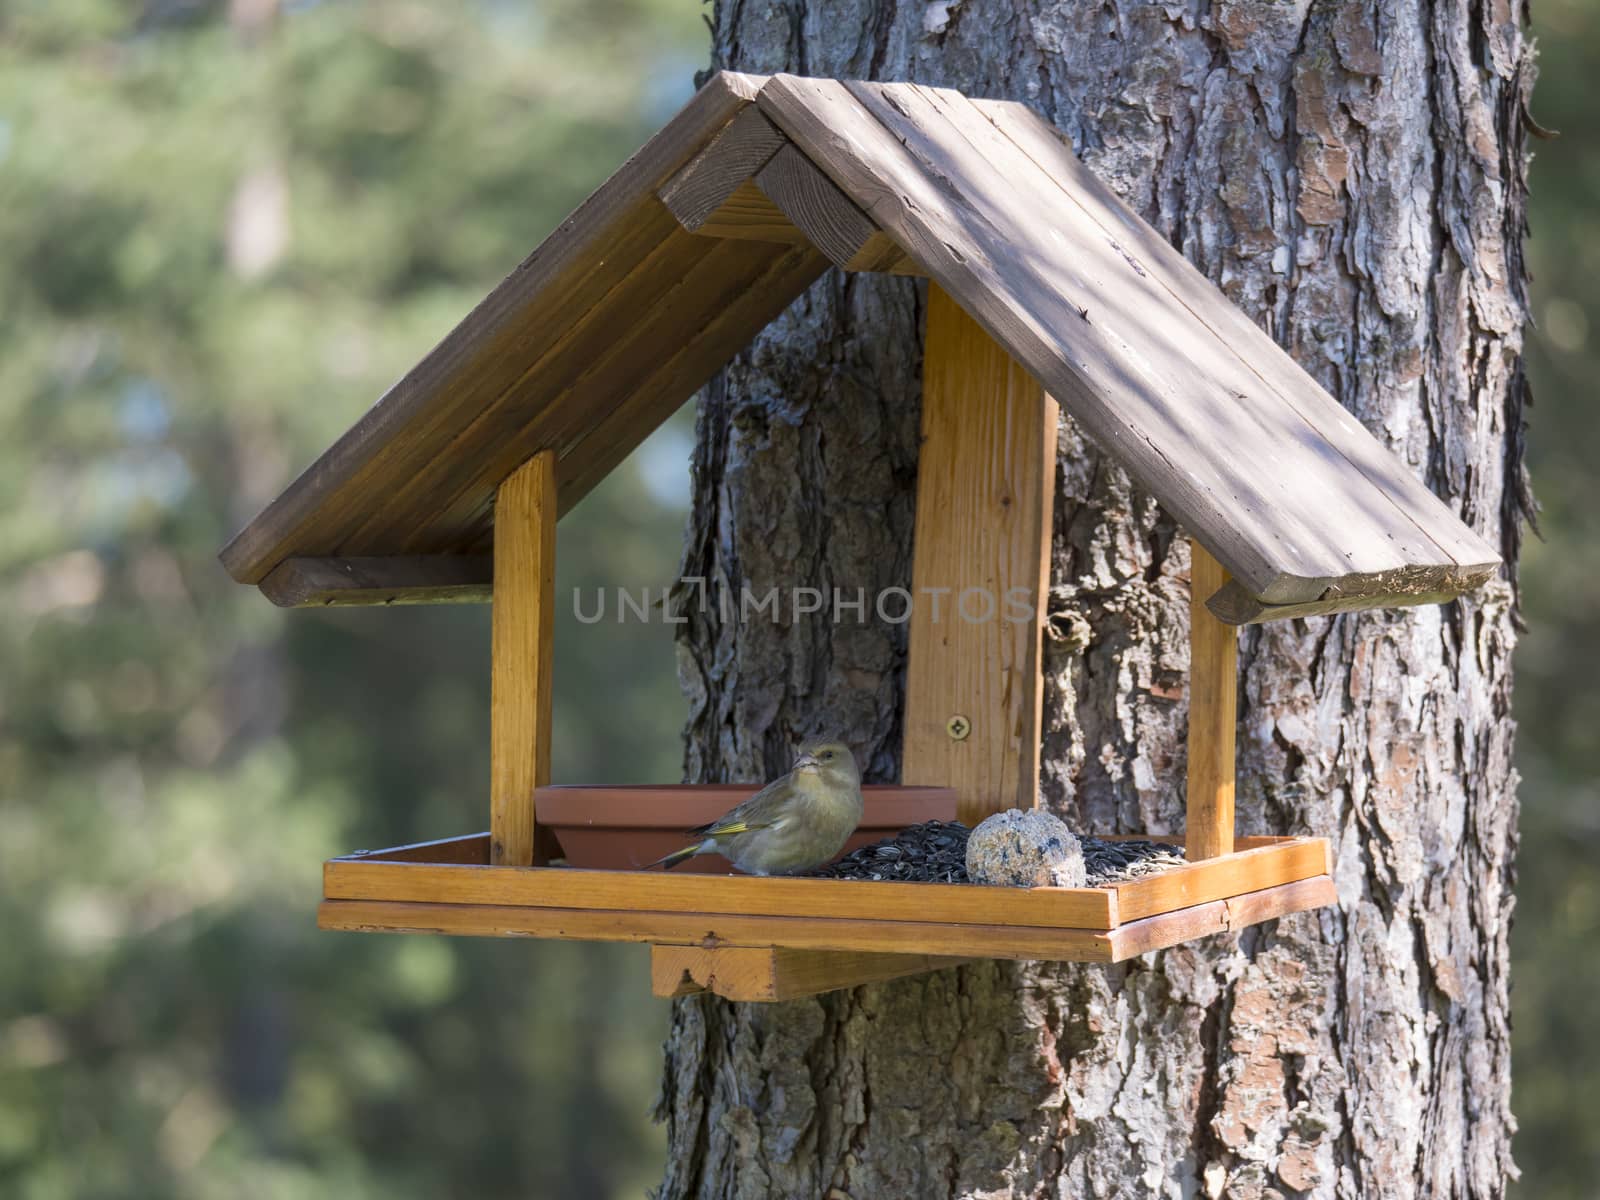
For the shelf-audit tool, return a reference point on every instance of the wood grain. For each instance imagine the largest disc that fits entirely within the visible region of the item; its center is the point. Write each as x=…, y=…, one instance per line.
x=824, y=214
x=1218, y=878
x=1200, y=384
x=1254, y=907
x=559, y=887
x=772, y=973
x=709, y=180
x=750, y=184
x=1398, y=481
x=716, y=930
x=413, y=873
x=1234, y=605
x=601, y=447
x=1213, y=714
x=586, y=259
x=621, y=314
x=984, y=500
x=750, y=214
x=719, y=931
x=1299, y=464
x=523, y=628
x=430, y=579
x=685, y=309
x=1221, y=916
x=427, y=888
x=1153, y=384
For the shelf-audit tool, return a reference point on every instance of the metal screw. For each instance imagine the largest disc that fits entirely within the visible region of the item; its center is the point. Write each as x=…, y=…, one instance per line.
x=958, y=727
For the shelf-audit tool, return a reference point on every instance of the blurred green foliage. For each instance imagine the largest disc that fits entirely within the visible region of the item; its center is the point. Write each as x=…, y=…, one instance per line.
x=1555, y=940
x=224, y=230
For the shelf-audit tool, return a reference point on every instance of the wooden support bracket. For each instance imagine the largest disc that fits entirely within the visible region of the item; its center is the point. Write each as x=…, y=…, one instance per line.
x=1213, y=713
x=768, y=973
x=523, y=631
x=751, y=184
x=749, y=215
x=981, y=569
x=827, y=217
x=700, y=190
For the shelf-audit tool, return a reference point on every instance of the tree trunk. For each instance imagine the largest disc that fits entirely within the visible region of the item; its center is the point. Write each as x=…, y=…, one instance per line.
x=1353, y=176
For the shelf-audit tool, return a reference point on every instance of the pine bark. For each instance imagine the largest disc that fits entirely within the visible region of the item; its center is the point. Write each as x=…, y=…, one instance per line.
x=1353, y=176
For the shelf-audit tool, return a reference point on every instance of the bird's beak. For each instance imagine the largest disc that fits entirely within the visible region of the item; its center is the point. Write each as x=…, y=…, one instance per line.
x=804, y=761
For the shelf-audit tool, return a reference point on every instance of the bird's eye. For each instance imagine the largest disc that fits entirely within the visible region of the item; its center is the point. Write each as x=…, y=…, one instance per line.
x=826, y=754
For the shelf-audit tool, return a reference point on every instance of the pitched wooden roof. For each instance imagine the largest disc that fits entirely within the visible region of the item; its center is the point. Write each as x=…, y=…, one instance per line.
x=726, y=216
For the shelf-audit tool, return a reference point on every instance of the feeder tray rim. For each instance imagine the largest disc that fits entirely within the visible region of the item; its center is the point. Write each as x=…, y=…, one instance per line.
x=807, y=913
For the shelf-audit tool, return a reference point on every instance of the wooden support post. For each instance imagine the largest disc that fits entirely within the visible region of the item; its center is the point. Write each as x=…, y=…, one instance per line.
x=981, y=569
x=1213, y=713
x=523, y=629
x=768, y=973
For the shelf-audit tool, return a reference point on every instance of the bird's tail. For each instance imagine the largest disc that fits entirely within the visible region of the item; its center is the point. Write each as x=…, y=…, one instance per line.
x=677, y=856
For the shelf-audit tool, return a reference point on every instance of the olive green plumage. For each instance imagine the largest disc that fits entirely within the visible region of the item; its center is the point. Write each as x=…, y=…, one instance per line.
x=793, y=824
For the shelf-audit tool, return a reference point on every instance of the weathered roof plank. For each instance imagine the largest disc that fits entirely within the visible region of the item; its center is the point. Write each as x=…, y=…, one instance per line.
x=1011, y=281
x=693, y=300
x=1246, y=472
x=624, y=311
x=1042, y=142
x=416, y=420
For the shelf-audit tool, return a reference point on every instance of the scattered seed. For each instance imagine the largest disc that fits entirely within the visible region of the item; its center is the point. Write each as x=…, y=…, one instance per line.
x=936, y=852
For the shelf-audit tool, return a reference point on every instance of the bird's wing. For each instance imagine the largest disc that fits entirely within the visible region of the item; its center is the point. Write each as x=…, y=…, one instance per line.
x=761, y=811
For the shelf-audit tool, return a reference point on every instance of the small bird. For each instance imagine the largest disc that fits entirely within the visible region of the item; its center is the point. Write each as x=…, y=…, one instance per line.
x=793, y=824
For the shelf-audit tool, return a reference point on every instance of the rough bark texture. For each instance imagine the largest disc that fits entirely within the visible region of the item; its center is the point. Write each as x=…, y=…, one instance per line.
x=1352, y=174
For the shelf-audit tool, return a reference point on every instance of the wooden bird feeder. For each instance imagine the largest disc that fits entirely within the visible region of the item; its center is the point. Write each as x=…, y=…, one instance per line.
x=1043, y=287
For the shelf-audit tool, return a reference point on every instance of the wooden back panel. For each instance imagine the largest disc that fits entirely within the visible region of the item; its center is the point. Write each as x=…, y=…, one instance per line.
x=980, y=573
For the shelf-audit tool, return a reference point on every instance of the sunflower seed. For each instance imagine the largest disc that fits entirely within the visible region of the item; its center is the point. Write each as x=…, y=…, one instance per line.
x=936, y=852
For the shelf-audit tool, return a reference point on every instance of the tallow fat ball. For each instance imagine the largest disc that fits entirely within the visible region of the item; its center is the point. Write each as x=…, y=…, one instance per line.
x=793, y=824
